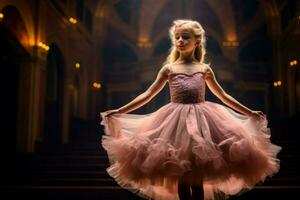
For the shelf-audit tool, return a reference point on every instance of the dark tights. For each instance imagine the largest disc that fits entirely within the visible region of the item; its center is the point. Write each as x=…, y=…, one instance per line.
x=190, y=192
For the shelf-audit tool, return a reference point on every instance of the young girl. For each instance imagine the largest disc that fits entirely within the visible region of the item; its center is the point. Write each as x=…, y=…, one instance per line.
x=189, y=148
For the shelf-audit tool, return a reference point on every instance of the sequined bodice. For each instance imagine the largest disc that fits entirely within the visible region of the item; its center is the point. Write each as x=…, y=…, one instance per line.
x=187, y=88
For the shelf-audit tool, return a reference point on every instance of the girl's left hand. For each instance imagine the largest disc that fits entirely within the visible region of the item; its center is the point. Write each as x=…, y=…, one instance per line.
x=257, y=114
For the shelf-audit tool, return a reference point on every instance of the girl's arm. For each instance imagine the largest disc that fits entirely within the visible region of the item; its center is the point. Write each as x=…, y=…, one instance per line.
x=217, y=90
x=146, y=96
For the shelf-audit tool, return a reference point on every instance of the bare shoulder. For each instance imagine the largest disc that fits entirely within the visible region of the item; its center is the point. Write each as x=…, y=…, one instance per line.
x=208, y=70
x=206, y=67
x=165, y=69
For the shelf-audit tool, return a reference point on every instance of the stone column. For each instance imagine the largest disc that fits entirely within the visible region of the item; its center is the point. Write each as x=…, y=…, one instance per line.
x=30, y=104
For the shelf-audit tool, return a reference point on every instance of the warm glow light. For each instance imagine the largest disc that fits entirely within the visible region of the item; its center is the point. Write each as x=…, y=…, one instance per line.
x=231, y=43
x=31, y=42
x=1, y=15
x=143, y=42
x=293, y=62
x=43, y=46
x=277, y=83
x=231, y=39
x=96, y=85
x=143, y=39
x=72, y=20
x=77, y=65
x=231, y=36
x=144, y=45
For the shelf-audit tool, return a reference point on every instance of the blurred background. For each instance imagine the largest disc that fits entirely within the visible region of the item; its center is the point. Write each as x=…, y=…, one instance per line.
x=65, y=61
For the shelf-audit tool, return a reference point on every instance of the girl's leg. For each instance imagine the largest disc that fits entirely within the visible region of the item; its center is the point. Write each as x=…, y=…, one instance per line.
x=197, y=192
x=184, y=191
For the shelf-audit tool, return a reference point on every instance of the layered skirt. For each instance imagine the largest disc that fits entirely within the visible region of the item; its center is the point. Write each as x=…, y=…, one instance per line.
x=199, y=144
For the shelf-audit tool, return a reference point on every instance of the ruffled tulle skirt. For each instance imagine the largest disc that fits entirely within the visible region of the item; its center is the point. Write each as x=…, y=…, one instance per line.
x=202, y=143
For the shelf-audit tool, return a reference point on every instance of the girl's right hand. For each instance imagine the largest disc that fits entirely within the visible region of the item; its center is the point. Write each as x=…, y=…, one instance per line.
x=110, y=112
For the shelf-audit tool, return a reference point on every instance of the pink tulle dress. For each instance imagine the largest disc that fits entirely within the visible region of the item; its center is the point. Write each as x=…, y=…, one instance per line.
x=191, y=140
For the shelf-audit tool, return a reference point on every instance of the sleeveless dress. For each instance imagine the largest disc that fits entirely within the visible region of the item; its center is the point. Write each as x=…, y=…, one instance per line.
x=191, y=140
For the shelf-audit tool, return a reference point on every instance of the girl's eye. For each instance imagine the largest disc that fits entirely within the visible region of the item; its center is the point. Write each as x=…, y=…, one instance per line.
x=185, y=37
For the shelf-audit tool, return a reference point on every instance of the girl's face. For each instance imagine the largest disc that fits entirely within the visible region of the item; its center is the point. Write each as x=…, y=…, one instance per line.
x=185, y=40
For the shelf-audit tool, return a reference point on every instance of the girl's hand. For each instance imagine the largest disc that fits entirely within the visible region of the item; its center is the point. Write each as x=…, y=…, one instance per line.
x=257, y=114
x=110, y=112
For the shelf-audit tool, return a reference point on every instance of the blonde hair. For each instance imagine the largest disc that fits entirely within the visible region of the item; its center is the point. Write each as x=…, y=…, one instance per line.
x=198, y=32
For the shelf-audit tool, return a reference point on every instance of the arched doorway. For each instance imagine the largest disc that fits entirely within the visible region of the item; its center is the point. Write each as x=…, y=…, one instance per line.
x=13, y=57
x=55, y=74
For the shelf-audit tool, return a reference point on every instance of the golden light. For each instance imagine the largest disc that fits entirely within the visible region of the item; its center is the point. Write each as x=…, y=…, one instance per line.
x=32, y=42
x=43, y=46
x=231, y=35
x=77, y=65
x=293, y=62
x=277, y=83
x=1, y=15
x=72, y=20
x=143, y=39
x=96, y=85
x=143, y=42
x=231, y=43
